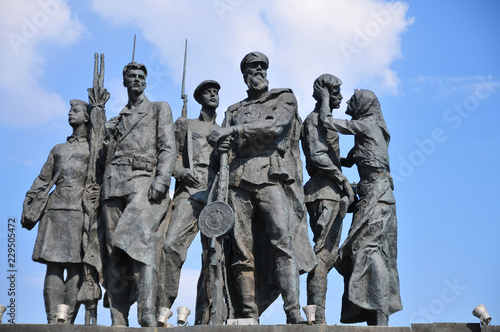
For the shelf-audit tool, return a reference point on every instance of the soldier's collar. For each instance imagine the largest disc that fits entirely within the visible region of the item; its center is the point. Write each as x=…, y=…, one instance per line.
x=205, y=117
x=138, y=103
x=256, y=94
x=79, y=139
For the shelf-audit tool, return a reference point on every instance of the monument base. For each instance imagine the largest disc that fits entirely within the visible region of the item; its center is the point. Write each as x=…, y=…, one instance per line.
x=436, y=327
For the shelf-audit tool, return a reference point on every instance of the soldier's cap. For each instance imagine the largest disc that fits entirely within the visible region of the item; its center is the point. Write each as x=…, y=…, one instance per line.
x=202, y=87
x=254, y=57
x=74, y=102
x=134, y=65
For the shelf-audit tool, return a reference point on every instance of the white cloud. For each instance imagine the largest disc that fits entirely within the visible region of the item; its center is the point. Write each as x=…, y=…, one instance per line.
x=357, y=41
x=26, y=23
x=448, y=88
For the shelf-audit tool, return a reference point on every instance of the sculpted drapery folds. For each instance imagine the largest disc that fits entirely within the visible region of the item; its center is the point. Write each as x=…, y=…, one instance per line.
x=367, y=258
x=194, y=172
x=137, y=249
x=141, y=156
x=327, y=193
x=61, y=241
x=265, y=191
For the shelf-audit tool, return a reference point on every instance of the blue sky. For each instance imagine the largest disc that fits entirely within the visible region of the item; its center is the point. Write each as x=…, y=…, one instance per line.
x=433, y=64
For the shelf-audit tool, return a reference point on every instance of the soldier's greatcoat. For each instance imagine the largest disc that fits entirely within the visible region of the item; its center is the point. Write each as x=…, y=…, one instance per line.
x=266, y=152
x=141, y=149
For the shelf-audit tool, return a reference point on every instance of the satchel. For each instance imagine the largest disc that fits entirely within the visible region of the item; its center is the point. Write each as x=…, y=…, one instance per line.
x=34, y=212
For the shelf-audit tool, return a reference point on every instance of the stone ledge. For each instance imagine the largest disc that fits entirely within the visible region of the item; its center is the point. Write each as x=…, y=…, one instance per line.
x=454, y=327
x=205, y=328
x=436, y=327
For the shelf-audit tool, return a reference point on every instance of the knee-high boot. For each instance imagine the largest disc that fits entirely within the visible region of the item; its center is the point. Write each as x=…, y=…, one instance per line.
x=52, y=296
x=70, y=298
x=288, y=281
x=245, y=283
x=316, y=292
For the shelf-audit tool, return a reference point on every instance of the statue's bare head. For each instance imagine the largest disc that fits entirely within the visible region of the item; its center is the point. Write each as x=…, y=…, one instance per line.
x=134, y=77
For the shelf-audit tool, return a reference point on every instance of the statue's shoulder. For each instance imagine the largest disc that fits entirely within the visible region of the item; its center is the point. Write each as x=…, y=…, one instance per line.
x=159, y=105
x=58, y=147
x=277, y=92
x=182, y=121
x=156, y=105
x=181, y=124
x=282, y=95
x=311, y=118
x=234, y=107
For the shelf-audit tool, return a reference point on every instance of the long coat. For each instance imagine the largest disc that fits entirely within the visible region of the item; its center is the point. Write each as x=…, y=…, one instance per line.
x=267, y=150
x=141, y=149
x=368, y=257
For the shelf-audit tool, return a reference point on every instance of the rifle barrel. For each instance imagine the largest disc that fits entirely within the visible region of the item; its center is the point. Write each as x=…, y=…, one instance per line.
x=96, y=61
x=101, y=72
x=133, y=50
x=184, y=71
x=183, y=90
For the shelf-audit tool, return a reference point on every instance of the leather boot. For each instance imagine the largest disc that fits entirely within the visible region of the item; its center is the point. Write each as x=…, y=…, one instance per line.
x=245, y=284
x=146, y=298
x=316, y=293
x=52, y=297
x=70, y=298
x=287, y=278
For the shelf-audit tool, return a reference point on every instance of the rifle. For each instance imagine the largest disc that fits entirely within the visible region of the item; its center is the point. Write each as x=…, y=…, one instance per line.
x=90, y=291
x=184, y=96
x=215, y=221
x=98, y=96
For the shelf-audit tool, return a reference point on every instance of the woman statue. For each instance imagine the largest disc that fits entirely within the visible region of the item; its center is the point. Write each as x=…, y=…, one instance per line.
x=367, y=259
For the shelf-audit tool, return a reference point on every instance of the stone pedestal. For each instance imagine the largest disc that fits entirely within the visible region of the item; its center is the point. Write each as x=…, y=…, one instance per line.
x=437, y=327
x=454, y=327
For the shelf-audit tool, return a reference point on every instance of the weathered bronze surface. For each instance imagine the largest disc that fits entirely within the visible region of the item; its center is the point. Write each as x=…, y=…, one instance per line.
x=110, y=221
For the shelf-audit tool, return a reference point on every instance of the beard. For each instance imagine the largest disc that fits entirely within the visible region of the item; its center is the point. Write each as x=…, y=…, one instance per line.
x=257, y=82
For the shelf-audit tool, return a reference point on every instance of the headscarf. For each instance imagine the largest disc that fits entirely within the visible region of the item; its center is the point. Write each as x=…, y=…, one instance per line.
x=368, y=108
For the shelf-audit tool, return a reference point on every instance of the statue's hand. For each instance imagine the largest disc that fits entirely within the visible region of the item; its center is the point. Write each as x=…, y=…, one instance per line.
x=98, y=96
x=156, y=190
x=220, y=133
x=225, y=145
x=111, y=126
x=27, y=202
x=321, y=93
x=189, y=178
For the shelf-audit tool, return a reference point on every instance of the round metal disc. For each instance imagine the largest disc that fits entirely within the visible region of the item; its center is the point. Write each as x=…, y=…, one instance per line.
x=216, y=219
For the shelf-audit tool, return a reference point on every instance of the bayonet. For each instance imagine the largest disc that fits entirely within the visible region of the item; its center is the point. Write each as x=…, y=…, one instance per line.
x=133, y=51
x=184, y=96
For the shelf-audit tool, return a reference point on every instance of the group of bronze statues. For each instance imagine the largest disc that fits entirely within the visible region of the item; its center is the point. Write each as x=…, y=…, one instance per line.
x=110, y=220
